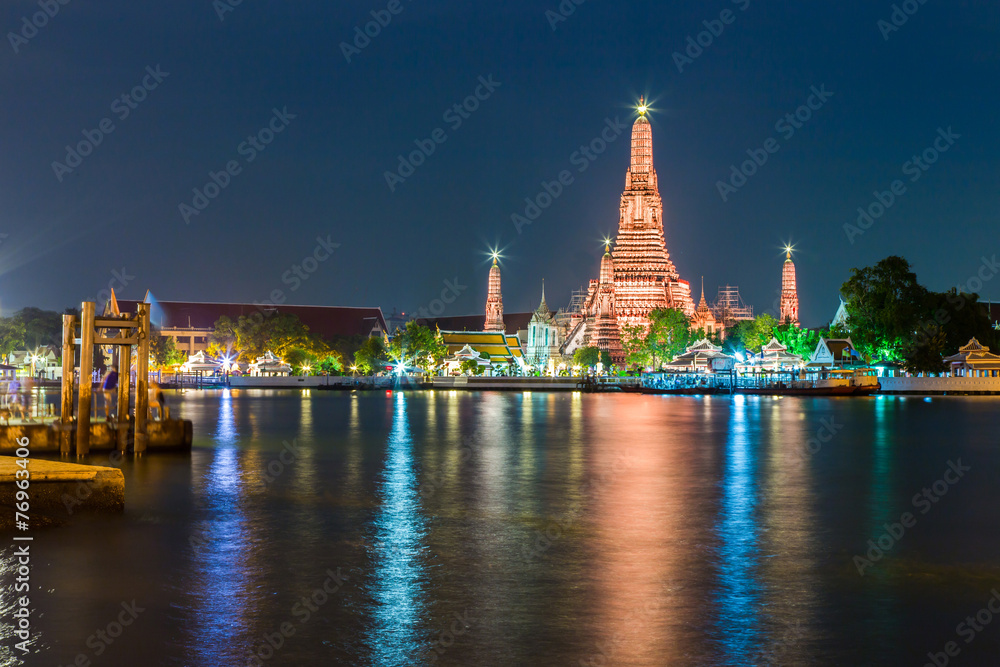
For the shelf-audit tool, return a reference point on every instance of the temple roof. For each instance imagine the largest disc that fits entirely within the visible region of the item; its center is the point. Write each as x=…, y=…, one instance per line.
x=492, y=343
x=513, y=322
x=974, y=346
x=774, y=346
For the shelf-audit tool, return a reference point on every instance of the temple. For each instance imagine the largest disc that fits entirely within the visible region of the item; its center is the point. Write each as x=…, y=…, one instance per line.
x=704, y=317
x=494, y=301
x=789, y=308
x=645, y=278
x=637, y=276
x=543, y=335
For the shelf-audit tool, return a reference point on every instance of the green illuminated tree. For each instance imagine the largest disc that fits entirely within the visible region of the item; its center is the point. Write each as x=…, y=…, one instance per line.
x=418, y=345
x=587, y=357
x=884, y=308
x=371, y=356
x=163, y=350
x=668, y=335
x=798, y=340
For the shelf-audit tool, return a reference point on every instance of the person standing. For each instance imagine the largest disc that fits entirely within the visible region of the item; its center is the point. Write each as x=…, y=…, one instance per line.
x=109, y=385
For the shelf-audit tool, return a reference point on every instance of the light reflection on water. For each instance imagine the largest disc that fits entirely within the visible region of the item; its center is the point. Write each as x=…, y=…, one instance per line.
x=739, y=591
x=219, y=544
x=684, y=531
x=398, y=578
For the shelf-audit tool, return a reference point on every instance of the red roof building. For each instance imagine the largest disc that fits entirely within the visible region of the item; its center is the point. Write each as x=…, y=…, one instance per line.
x=189, y=323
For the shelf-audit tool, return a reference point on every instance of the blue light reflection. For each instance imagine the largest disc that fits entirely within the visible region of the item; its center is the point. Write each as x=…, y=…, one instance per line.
x=399, y=577
x=739, y=589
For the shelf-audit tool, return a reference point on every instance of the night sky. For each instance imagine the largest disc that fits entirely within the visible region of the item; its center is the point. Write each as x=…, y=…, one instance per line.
x=67, y=235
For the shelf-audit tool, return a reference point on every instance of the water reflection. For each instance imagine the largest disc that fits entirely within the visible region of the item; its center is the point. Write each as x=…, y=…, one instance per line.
x=399, y=578
x=739, y=591
x=220, y=545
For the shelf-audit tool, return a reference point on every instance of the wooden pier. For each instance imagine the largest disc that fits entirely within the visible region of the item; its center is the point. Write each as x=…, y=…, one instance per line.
x=60, y=491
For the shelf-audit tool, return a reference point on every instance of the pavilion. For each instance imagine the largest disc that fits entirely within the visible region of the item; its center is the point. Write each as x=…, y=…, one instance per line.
x=974, y=360
x=702, y=356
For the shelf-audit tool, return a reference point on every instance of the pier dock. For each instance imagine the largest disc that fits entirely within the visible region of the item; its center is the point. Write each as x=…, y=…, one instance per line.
x=61, y=490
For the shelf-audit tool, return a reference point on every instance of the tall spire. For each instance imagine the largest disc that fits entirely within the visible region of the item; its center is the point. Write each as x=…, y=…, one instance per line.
x=789, y=311
x=494, y=300
x=702, y=305
x=607, y=276
x=642, y=142
x=543, y=308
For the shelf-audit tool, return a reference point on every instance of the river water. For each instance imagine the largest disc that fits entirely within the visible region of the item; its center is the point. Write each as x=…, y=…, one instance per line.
x=460, y=528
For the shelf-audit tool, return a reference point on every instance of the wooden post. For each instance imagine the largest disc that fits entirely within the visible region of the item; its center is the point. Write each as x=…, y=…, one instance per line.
x=142, y=379
x=68, y=352
x=86, y=384
x=124, y=380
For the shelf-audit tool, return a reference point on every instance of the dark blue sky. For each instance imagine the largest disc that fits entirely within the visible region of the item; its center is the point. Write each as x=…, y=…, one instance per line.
x=323, y=174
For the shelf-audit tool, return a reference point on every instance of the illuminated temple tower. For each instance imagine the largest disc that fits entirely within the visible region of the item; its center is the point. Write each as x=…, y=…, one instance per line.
x=789, y=292
x=606, y=335
x=645, y=278
x=494, y=302
x=637, y=276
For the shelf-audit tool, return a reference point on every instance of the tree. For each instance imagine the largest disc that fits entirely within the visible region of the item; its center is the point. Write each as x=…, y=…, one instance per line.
x=671, y=331
x=41, y=327
x=418, y=345
x=587, y=357
x=470, y=367
x=959, y=316
x=163, y=350
x=222, y=340
x=11, y=336
x=884, y=307
x=370, y=357
x=331, y=364
x=925, y=356
x=299, y=358
x=798, y=340
x=668, y=335
x=253, y=335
